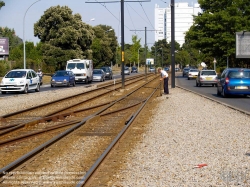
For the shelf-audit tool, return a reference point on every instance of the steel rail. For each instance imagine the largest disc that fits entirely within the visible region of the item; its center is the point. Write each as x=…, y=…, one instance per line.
x=40, y=148
x=116, y=139
x=34, y=121
x=2, y=118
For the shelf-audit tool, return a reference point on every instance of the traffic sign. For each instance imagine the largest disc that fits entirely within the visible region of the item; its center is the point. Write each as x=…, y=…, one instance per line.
x=243, y=44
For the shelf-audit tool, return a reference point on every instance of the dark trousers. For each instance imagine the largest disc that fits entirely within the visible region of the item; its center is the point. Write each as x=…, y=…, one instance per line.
x=166, y=85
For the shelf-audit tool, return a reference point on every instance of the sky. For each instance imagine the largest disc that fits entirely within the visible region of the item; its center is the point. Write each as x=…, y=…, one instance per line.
x=22, y=15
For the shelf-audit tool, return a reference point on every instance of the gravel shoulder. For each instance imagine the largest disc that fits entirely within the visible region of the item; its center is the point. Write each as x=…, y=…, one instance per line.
x=182, y=135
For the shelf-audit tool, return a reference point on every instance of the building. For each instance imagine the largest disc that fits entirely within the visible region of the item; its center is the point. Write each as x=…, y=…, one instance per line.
x=183, y=21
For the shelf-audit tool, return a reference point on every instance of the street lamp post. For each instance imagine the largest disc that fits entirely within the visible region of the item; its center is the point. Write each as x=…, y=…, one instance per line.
x=24, y=54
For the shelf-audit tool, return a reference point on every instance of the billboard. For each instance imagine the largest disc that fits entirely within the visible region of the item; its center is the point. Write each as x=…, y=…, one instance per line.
x=243, y=44
x=149, y=61
x=4, y=46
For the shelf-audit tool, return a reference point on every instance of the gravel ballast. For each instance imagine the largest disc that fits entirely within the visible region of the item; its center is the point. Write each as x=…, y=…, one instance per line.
x=190, y=141
x=187, y=130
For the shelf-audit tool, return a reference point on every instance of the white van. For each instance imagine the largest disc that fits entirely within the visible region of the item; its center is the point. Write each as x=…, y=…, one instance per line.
x=82, y=69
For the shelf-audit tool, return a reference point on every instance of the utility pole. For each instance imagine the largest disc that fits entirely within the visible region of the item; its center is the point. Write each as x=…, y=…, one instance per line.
x=172, y=45
x=122, y=30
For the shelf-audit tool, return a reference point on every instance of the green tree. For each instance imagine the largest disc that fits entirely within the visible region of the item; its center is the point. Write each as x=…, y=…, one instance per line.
x=64, y=36
x=2, y=4
x=104, y=46
x=213, y=32
x=134, y=50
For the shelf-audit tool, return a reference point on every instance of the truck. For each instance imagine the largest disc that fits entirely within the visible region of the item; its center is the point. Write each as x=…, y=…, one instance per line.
x=82, y=69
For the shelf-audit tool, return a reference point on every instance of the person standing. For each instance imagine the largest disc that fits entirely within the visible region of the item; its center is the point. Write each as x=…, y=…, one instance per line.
x=164, y=77
x=40, y=74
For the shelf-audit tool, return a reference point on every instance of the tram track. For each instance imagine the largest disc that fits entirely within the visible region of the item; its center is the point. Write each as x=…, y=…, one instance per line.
x=122, y=105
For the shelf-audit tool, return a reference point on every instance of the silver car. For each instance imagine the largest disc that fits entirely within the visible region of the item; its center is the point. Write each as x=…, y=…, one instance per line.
x=206, y=77
x=98, y=75
x=126, y=71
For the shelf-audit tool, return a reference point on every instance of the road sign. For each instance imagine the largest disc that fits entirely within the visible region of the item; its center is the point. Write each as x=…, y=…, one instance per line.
x=243, y=44
x=149, y=61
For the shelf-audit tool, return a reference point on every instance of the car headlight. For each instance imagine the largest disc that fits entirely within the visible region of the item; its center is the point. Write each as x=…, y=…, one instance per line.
x=21, y=82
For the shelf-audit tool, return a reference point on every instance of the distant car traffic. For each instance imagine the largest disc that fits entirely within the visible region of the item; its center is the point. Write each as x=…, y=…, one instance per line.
x=63, y=78
x=206, y=77
x=108, y=72
x=20, y=80
x=126, y=71
x=98, y=75
x=134, y=69
x=234, y=81
x=166, y=69
x=151, y=69
x=185, y=71
x=177, y=69
x=193, y=73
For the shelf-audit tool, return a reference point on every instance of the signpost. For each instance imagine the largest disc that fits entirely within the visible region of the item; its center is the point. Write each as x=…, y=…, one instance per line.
x=243, y=44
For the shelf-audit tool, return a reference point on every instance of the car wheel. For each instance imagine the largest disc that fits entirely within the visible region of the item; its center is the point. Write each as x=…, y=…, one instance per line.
x=25, y=89
x=37, y=88
x=3, y=92
x=199, y=84
x=218, y=92
x=196, y=84
x=52, y=86
x=188, y=78
x=87, y=80
x=74, y=83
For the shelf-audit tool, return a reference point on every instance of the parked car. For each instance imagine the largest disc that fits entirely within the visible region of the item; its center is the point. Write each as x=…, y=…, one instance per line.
x=166, y=69
x=134, y=69
x=185, y=71
x=63, y=78
x=20, y=80
x=126, y=71
x=206, y=77
x=98, y=75
x=108, y=72
x=151, y=69
x=193, y=73
x=234, y=81
x=177, y=69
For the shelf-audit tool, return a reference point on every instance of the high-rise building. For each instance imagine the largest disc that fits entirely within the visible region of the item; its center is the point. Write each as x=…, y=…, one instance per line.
x=183, y=21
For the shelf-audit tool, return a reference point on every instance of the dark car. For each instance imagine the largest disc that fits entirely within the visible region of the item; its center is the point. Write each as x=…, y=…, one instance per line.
x=108, y=72
x=185, y=71
x=134, y=69
x=234, y=81
x=63, y=78
x=166, y=69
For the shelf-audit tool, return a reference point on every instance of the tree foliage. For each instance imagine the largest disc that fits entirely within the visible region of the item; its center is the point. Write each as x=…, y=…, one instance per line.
x=213, y=31
x=64, y=36
x=2, y=4
x=104, y=46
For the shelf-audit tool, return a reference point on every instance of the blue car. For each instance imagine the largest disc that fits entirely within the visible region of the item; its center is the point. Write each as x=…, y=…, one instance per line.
x=63, y=78
x=234, y=81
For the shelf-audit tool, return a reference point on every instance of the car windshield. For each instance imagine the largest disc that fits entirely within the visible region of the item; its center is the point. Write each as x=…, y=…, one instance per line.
x=97, y=72
x=186, y=69
x=16, y=74
x=239, y=74
x=133, y=67
x=105, y=69
x=61, y=73
x=208, y=73
x=126, y=68
x=193, y=70
x=71, y=65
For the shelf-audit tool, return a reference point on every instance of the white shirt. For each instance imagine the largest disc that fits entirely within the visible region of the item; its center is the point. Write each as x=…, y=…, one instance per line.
x=164, y=74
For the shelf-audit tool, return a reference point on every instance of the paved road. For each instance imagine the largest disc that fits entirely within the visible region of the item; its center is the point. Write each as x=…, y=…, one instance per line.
x=236, y=101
